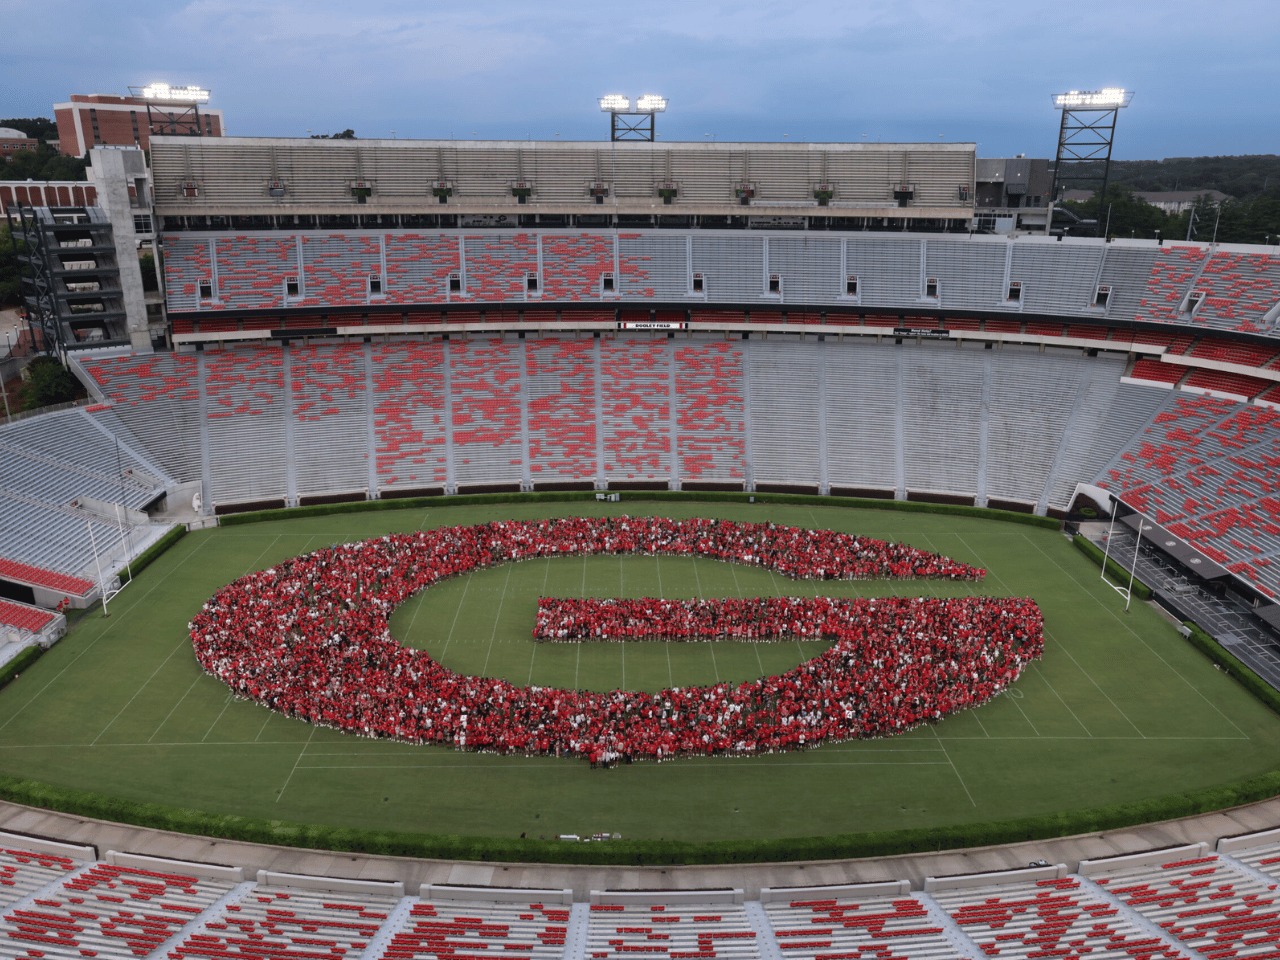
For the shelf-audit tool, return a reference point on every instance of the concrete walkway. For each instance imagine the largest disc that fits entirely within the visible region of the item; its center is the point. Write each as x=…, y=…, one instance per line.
x=582, y=879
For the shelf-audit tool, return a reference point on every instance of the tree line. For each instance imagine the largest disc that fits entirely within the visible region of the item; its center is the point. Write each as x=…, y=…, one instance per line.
x=1252, y=219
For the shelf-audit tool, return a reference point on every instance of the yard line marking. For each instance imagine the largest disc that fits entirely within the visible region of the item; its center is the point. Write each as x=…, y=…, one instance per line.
x=107, y=629
x=1089, y=677
x=295, y=764
x=953, y=766
x=496, y=619
x=1041, y=675
x=457, y=613
x=534, y=653
x=270, y=713
x=225, y=704
x=175, y=707
x=184, y=642
x=1136, y=636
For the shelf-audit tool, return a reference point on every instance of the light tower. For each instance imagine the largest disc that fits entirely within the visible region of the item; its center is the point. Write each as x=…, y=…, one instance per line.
x=632, y=123
x=1084, y=138
x=182, y=116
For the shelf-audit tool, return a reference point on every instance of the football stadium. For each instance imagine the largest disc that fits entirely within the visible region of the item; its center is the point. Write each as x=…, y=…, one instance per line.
x=566, y=550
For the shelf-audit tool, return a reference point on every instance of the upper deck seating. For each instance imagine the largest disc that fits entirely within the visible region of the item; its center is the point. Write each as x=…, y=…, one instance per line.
x=572, y=266
x=498, y=266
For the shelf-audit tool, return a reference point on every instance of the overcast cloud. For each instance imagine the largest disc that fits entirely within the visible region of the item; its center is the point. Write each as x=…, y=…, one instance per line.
x=910, y=70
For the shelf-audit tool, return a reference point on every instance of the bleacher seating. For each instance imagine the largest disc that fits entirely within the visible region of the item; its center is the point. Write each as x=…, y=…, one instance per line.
x=1153, y=371
x=251, y=270
x=39, y=576
x=1240, y=288
x=710, y=415
x=784, y=378
x=1206, y=468
x=1234, y=386
x=23, y=873
x=337, y=267
x=275, y=923
x=1205, y=903
x=572, y=265
x=24, y=616
x=1234, y=351
x=497, y=265
x=157, y=398
x=418, y=268
x=1168, y=283
x=562, y=409
x=884, y=927
x=635, y=397
x=330, y=418
x=454, y=928
x=486, y=417
x=408, y=397
x=1049, y=918
x=107, y=911
x=678, y=932
x=246, y=422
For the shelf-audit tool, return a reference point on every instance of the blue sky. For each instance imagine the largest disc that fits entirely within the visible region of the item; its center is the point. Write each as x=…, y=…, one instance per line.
x=909, y=70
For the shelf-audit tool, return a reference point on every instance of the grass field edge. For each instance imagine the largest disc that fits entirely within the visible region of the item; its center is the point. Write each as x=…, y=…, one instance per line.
x=474, y=499
x=34, y=793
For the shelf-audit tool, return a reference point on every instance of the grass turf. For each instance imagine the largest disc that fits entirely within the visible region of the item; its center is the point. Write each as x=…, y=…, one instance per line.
x=1121, y=707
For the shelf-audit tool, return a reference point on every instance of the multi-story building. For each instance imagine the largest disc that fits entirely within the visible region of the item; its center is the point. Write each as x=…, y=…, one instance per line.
x=98, y=119
x=12, y=141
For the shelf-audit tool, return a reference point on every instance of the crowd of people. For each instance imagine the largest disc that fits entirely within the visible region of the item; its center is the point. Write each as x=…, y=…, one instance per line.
x=310, y=638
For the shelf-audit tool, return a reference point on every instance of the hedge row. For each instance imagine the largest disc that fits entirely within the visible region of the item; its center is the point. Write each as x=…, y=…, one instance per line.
x=662, y=852
x=149, y=555
x=1234, y=668
x=1116, y=572
x=24, y=658
x=904, y=506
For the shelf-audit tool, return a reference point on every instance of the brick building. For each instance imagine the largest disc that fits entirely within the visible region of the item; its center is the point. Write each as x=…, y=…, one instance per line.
x=11, y=141
x=90, y=120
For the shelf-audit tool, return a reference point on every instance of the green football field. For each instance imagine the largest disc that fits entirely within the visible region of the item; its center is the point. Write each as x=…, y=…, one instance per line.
x=1120, y=708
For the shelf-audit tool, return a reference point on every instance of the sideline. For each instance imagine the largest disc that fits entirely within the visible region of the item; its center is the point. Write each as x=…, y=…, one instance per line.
x=914, y=867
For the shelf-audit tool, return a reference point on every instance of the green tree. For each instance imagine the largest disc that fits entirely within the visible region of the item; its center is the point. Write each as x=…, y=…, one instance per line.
x=147, y=264
x=1128, y=216
x=37, y=128
x=42, y=163
x=347, y=134
x=10, y=270
x=45, y=382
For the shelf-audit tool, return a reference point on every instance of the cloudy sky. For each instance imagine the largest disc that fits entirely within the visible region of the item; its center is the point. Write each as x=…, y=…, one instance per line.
x=1205, y=73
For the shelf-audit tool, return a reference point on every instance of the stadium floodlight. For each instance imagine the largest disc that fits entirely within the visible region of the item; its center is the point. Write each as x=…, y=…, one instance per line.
x=1108, y=98
x=627, y=122
x=651, y=103
x=159, y=90
x=1085, y=138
